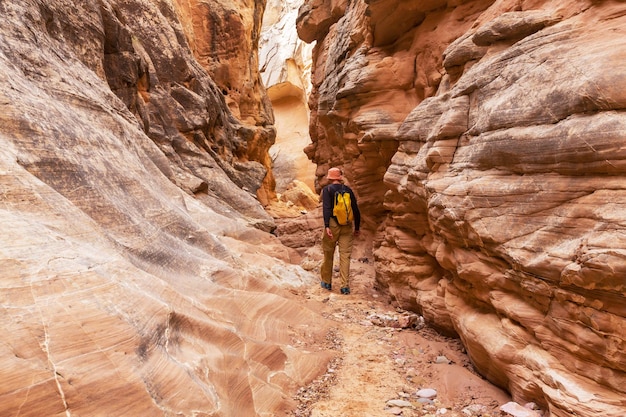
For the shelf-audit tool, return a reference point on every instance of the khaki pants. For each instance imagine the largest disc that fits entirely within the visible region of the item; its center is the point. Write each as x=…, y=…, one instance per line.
x=343, y=237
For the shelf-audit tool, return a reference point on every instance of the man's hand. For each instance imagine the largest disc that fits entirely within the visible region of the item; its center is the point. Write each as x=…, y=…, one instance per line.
x=329, y=232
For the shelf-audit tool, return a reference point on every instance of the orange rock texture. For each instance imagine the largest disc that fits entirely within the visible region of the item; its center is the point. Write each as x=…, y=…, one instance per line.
x=224, y=38
x=490, y=136
x=135, y=279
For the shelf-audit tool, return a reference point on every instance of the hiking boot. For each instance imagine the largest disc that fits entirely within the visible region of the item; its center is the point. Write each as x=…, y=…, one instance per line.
x=327, y=286
x=345, y=290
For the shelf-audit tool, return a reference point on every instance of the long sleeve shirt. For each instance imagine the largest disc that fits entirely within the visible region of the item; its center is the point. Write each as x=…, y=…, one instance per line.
x=328, y=193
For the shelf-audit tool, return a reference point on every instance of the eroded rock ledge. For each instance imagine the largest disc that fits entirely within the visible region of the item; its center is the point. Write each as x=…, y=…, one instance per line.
x=490, y=137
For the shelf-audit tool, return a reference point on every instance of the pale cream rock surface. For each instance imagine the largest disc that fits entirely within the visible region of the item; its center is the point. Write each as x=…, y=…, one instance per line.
x=285, y=67
x=490, y=137
x=134, y=278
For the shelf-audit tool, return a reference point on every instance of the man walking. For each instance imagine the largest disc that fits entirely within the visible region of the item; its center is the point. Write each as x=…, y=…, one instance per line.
x=338, y=230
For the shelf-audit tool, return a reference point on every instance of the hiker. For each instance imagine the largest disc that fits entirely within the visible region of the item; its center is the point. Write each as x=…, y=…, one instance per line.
x=336, y=233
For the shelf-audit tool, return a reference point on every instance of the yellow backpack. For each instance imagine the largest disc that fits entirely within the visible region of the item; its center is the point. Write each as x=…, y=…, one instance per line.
x=342, y=207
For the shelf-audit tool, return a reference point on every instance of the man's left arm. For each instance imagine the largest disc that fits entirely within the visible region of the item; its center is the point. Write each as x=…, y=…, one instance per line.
x=357, y=214
x=327, y=211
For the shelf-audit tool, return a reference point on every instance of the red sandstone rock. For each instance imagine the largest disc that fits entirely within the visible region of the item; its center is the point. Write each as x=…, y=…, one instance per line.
x=490, y=135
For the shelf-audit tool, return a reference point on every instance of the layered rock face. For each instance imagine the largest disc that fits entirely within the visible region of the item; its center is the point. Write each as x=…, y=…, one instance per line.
x=224, y=38
x=187, y=102
x=504, y=205
x=285, y=66
x=133, y=282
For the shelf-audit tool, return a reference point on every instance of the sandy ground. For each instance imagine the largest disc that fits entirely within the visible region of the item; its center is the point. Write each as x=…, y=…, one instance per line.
x=376, y=363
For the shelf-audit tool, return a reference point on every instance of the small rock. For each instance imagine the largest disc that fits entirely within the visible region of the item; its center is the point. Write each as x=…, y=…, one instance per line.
x=431, y=407
x=428, y=393
x=516, y=410
x=531, y=406
x=474, y=410
x=442, y=359
x=407, y=321
x=425, y=401
x=442, y=411
x=395, y=410
x=399, y=403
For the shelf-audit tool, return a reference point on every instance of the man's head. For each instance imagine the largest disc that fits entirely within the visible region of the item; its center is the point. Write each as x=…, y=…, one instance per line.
x=334, y=174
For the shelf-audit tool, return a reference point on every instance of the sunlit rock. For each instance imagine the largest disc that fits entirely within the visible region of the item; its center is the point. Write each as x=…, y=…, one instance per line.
x=285, y=66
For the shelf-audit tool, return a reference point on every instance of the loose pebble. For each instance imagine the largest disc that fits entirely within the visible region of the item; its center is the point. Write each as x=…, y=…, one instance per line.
x=531, y=406
x=516, y=410
x=442, y=359
x=426, y=393
x=399, y=403
x=474, y=410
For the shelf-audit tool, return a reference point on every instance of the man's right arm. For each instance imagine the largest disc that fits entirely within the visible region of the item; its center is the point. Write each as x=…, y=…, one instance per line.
x=326, y=206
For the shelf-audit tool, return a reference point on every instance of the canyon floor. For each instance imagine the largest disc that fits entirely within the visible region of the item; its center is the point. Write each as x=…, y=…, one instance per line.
x=376, y=363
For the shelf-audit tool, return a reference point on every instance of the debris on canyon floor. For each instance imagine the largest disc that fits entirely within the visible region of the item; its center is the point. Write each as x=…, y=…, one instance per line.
x=389, y=362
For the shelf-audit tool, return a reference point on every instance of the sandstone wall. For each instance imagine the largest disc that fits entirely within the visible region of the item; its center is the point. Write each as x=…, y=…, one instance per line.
x=132, y=282
x=189, y=73
x=488, y=139
x=224, y=38
x=285, y=66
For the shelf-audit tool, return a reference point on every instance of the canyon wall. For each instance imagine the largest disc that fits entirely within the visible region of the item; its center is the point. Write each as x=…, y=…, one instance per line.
x=486, y=141
x=224, y=38
x=137, y=273
x=285, y=66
